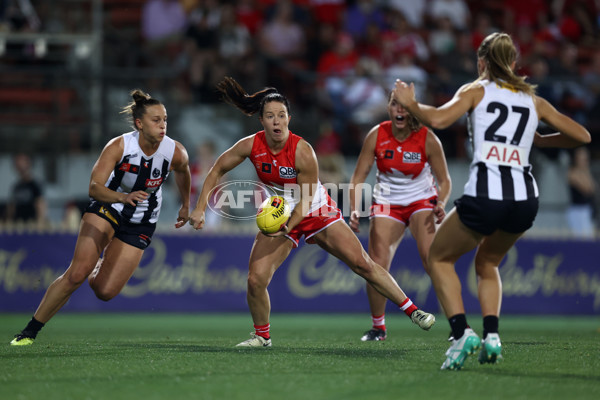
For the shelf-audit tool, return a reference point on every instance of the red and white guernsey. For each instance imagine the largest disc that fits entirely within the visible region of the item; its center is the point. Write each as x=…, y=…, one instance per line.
x=278, y=171
x=403, y=173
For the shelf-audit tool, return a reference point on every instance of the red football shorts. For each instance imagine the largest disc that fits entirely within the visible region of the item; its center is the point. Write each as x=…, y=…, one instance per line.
x=315, y=222
x=402, y=213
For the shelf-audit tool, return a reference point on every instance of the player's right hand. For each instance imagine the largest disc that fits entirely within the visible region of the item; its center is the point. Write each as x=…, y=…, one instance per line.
x=133, y=197
x=354, y=221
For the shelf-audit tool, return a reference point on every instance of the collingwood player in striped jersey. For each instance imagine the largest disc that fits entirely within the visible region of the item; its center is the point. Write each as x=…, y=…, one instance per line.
x=500, y=199
x=125, y=191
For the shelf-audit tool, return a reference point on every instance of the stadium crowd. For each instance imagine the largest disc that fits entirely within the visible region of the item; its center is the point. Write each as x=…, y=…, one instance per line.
x=341, y=56
x=335, y=59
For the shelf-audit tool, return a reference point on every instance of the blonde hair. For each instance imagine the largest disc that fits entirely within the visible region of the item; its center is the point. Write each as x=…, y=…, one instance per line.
x=498, y=52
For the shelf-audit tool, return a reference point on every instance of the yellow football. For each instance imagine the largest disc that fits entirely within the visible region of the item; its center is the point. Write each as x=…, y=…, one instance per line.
x=273, y=214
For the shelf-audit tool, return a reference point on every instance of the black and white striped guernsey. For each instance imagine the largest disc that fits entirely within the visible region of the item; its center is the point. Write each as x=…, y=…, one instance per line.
x=502, y=128
x=136, y=171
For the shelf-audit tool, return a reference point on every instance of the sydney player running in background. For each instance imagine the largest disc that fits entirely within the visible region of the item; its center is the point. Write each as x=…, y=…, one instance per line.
x=410, y=159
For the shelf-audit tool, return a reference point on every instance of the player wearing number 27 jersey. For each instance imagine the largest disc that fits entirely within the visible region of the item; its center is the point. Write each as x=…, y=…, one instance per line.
x=502, y=127
x=500, y=200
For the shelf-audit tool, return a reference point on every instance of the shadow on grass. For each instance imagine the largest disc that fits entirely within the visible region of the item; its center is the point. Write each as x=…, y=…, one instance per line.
x=540, y=376
x=107, y=349
x=269, y=351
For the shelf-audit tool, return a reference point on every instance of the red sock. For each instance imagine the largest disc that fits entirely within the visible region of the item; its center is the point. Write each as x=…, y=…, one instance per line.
x=263, y=330
x=408, y=307
x=378, y=322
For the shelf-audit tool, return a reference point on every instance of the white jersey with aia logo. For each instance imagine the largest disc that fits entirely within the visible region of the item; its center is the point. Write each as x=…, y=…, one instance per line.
x=136, y=171
x=502, y=128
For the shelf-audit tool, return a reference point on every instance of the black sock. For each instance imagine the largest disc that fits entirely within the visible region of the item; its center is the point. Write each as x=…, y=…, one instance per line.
x=32, y=328
x=458, y=324
x=490, y=325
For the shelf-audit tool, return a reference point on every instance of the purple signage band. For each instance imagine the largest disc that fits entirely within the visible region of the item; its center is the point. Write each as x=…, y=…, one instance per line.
x=197, y=273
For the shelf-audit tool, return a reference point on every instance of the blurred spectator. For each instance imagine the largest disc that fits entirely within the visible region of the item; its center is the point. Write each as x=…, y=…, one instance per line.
x=591, y=80
x=328, y=148
x=460, y=63
x=299, y=11
x=282, y=36
x=482, y=26
x=18, y=16
x=456, y=11
x=365, y=98
x=340, y=60
x=406, y=69
x=321, y=38
x=577, y=20
x=413, y=11
x=329, y=141
x=442, y=39
x=524, y=12
x=163, y=24
x=370, y=44
x=334, y=68
x=162, y=21
x=401, y=38
x=527, y=46
x=235, y=52
x=360, y=15
x=249, y=15
x=283, y=41
x=27, y=203
x=538, y=75
x=572, y=95
x=591, y=76
x=202, y=48
x=327, y=11
x=582, y=188
x=565, y=65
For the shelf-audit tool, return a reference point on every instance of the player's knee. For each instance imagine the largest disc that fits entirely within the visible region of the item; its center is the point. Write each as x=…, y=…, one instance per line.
x=74, y=278
x=485, y=269
x=256, y=283
x=362, y=265
x=104, y=294
x=485, y=265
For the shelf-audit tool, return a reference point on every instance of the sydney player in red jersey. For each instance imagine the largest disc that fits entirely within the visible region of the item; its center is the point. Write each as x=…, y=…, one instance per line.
x=410, y=159
x=281, y=157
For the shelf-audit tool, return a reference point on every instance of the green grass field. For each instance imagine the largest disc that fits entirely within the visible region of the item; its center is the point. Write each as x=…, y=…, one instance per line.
x=316, y=356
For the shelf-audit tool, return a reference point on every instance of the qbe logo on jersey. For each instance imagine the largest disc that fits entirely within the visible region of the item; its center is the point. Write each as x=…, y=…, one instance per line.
x=411, y=157
x=287, y=172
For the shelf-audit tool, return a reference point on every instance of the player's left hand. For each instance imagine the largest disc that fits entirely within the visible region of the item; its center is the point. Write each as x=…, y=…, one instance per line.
x=282, y=232
x=439, y=212
x=403, y=92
